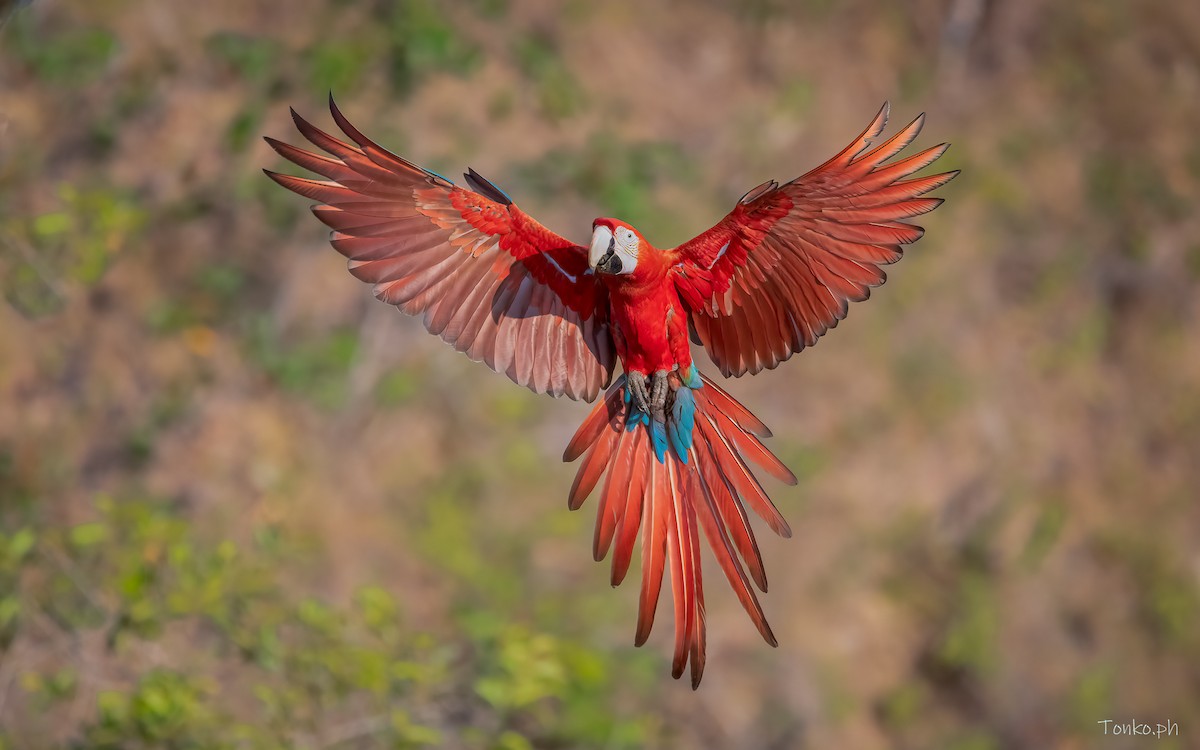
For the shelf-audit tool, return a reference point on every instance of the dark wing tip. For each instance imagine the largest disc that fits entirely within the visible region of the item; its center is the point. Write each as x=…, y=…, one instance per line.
x=334, y=109
x=755, y=193
x=275, y=144
x=484, y=187
x=884, y=114
x=351, y=132
x=304, y=126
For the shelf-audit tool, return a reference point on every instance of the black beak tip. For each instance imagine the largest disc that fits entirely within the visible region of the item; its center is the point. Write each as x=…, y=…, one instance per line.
x=610, y=263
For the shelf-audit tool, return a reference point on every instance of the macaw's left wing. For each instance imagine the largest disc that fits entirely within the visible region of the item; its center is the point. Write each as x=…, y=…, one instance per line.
x=485, y=276
x=781, y=268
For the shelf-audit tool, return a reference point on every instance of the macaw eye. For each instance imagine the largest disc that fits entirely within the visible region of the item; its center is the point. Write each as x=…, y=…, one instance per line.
x=626, y=235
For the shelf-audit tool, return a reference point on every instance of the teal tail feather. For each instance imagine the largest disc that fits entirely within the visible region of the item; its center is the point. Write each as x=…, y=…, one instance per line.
x=675, y=434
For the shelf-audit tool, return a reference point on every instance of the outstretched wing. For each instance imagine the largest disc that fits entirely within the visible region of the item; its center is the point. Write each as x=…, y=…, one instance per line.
x=485, y=277
x=783, y=266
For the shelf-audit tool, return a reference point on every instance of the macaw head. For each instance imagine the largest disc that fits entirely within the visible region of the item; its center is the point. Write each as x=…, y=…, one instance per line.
x=615, y=247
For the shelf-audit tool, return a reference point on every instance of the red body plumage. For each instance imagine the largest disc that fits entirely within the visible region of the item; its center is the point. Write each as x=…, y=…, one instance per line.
x=649, y=321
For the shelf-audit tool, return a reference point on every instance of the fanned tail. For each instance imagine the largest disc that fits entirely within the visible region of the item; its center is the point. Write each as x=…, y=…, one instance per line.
x=671, y=498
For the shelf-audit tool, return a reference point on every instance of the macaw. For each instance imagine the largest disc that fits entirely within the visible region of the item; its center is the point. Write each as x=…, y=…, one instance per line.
x=673, y=449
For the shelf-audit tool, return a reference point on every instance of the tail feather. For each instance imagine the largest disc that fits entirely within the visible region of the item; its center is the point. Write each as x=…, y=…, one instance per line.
x=735, y=470
x=669, y=499
x=699, y=641
x=597, y=421
x=654, y=547
x=631, y=519
x=727, y=558
x=729, y=406
x=612, y=499
x=753, y=449
x=731, y=513
x=594, y=465
x=683, y=578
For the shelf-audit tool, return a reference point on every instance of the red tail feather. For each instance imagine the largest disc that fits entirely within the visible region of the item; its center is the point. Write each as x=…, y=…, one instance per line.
x=670, y=501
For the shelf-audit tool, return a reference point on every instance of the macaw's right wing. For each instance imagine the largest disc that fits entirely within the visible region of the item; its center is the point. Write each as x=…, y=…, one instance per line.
x=485, y=277
x=781, y=269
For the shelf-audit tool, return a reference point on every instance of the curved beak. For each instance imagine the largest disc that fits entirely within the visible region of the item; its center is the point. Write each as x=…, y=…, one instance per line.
x=602, y=254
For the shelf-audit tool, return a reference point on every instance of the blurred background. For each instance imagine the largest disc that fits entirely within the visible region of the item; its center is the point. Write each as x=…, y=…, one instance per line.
x=243, y=505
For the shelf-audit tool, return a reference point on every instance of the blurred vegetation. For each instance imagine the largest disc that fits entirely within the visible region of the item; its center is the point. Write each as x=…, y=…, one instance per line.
x=265, y=665
x=242, y=505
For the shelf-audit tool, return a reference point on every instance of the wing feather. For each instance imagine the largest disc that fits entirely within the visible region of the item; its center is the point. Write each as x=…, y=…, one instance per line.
x=483, y=275
x=784, y=264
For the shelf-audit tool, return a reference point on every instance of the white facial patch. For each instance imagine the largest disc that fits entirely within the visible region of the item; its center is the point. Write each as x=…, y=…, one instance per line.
x=613, y=253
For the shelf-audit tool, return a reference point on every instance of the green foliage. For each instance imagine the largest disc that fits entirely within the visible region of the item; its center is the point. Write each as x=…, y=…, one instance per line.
x=70, y=58
x=244, y=128
x=1168, y=597
x=336, y=65
x=254, y=59
x=15, y=549
x=1052, y=517
x=973, y=740
x=762, y=12
x=421, y=40
x=805, y=460
x=559, y=93
x=76, y=243
x=620, y=176
x=932, y=381
x=1120, y=185
x=902, y=707
x=315, y=367
x=397, y=387
x=165, y=709
x=527, y=668
x=1091, y=696
x=141, y=574
x=491, y=9
x=970, y=638
x=797, y=96
x=94, y=225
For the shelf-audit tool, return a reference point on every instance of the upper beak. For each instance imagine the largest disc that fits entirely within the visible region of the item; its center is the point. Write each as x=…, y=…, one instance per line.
x=603, y=243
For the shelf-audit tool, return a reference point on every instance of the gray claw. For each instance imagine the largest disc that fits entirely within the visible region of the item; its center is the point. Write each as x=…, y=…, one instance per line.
x=658, y=396
x=636, y=383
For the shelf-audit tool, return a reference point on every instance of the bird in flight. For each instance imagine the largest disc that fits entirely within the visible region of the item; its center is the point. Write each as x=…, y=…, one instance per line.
x=672, y=448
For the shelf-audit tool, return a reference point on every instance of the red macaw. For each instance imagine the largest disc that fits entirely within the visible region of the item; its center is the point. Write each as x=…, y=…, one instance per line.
x=672, y=447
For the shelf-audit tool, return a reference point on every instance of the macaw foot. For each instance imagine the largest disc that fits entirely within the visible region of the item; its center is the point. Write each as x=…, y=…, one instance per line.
x=650, y=397
x=636, y=389
x=665, y=403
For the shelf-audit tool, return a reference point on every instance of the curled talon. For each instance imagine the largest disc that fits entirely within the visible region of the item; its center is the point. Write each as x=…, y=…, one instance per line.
x=636, y=383
x=658, y=396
